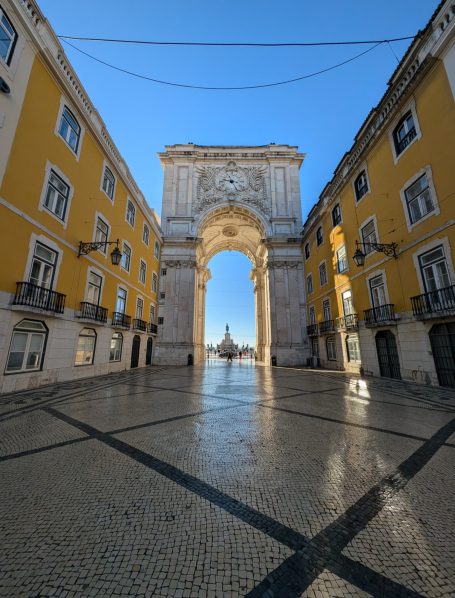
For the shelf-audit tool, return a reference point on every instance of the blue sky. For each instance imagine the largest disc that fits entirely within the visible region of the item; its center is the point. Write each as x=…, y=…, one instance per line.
x=321, y=115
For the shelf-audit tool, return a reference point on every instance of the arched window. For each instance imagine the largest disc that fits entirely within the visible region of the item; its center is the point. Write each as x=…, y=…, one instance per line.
x=26, y=351
x=115, y=353
x=85, y=347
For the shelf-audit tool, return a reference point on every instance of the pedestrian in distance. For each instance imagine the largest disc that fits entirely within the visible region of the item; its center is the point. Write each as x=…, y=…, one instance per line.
x=229, y=356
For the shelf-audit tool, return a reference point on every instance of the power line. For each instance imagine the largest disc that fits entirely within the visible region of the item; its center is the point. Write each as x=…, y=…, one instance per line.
x=235, y=44
x=222, y=88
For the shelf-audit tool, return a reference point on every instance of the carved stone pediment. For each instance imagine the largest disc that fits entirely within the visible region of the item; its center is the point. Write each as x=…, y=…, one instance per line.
x=243, y=184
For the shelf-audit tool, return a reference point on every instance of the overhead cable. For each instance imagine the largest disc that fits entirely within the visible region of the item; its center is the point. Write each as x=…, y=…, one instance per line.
x=222, y=88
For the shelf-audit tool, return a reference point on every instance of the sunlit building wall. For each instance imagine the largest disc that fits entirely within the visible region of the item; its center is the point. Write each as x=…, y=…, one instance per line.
x=63, y=181
x=394, y=192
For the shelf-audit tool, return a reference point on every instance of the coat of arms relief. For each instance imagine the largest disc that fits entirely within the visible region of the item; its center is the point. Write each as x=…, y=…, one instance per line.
x=244, y=184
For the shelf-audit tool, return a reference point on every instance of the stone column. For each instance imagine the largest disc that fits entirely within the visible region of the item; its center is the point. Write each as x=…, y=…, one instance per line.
x=203, y=275
x=257, y=276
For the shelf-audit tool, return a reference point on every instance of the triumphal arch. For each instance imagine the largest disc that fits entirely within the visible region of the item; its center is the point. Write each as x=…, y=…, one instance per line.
x=217, y=198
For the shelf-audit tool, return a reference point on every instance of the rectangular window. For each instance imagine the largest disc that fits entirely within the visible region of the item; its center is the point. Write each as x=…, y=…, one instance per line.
x=108, y=183
x=418, y=199
x=130, y=213
x=139, y=308
x=85, y=347
x=57, y=194
x=160, y=320
x=27, y=346
x=369, y=236
x=102, y=233
x=435, y=272
x=163, y=271
x=323, y=274
x=348, y=307
x=353, y=348
x=319, y=236
x=342, y=259
x=142, y=271
x=336, y=215
x=146, y=234
x=126, y=257
x=315, y=347
x=307, y=250
x=377, y=290
x=157, y=250
x=312, y=315
x=404, y=133
x=361, y=185
x=309, y=283
x=162, y=295
x=43, y=266
x=70, y=129
x=94, y=288
x=8, y=37
x=154, y=282
x=331, y=349
x=115, y=353
x=152, y=314
x=120, y=305
x=326, y=310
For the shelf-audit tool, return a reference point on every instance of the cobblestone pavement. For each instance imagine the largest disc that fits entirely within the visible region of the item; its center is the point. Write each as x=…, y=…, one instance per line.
x=228, y=480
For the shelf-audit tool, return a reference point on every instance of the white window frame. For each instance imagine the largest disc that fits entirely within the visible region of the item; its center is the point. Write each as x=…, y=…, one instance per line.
x=154, y=282
x=142, y=262
x=326, y=301
x=139, y=299
x=409, y=107
x=124, y=288
x=323, y=263
x=152, y=306
x=346, y=260
x=309, y=277
x=338, y=203
x=103, y=172
x=99, y=273
x=95, y=337
x=434, y=212
x=348, y=356
x=156, y=250
x=29, y=332
x=64, y=102
x=384, y=281
x=9, y=58
x=342, y=302
x=363, y=224
x=319, y=228
x=41, y=207
x=145, y=227
x=128, y=201
x=334, y=344
x=119, y=335
x=95, y=228
x=125, y=243
x=362, y=167
x=307, y=244
x=429, y=247
x=34, y=238
x=312, y=318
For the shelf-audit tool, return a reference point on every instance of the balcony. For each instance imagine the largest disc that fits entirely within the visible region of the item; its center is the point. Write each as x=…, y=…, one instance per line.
x=380, y=314
x=152, y=328
x=326, y=326
x=312, y=330
x=435, y=303
x=403, y=143
x=121, y=320
x=90, y=311
x=33, y=295
x=139, y=325
x=348, y=322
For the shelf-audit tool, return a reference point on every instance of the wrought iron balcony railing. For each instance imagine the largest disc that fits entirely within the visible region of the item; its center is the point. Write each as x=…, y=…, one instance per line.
x=312, y=329
x=406, y=140
x=326, y=326
x=434, y=302
x=348, y=322
x=152, y=328
x=139, y=325
x=90, y=311
x=119, y=319
x=33, y=295
x=381, y=313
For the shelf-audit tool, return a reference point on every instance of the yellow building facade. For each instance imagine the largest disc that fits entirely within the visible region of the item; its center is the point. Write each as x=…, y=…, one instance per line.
x=391, y=205
x=66, y=197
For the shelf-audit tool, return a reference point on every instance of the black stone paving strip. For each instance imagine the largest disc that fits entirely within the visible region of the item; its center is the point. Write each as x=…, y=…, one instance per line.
x=299, y=571
x=265, y=524
x=43, y=449
x=283, y=534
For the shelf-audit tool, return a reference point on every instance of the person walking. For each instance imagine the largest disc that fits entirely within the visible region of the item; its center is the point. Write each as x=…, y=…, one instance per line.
x=229, y=357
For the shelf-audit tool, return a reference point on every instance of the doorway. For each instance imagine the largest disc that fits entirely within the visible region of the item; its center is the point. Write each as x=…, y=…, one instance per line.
x=442, y=339
x=389, y=362
x=149, y=351
x=135, y=351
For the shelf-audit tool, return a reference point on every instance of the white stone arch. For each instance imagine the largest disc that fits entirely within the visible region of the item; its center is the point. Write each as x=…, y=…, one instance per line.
x=245, y=199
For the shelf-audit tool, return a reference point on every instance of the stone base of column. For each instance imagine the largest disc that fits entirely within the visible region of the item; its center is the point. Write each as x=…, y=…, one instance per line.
x=175, y=354
x=286, y=356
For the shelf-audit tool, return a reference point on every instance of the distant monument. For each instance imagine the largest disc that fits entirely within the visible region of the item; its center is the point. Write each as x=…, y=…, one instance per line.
x=227, y=344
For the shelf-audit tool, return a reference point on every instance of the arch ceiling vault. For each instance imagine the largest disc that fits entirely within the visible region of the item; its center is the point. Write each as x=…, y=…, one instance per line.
x=241, y=198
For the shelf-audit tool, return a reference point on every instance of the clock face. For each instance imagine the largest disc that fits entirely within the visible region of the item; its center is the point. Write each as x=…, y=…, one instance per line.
x=231, y=180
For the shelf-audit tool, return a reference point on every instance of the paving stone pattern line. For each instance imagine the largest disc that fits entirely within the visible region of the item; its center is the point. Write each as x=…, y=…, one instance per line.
x=43, y=449
x=312, y=556
x=301, y=569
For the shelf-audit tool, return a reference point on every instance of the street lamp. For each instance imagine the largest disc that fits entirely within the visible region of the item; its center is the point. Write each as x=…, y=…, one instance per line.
x=387, y=248
x=116, y=255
